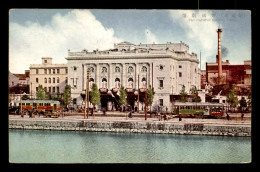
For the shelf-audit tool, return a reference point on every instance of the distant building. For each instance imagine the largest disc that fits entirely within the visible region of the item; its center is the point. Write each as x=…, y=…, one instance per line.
x=52, y=77
x=18, y=85
x=231, y=74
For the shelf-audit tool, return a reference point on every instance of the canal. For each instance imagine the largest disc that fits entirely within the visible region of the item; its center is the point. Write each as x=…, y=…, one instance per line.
x=46, y=146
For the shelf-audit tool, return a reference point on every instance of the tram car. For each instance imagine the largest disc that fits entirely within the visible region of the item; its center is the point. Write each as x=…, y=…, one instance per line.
x=205, y=109
x=38, y=107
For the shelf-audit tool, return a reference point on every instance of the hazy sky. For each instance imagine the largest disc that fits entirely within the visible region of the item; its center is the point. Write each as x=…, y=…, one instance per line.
x=36, y=33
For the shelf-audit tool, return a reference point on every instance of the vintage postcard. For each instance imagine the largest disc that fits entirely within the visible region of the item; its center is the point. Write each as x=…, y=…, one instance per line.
x=129, y=86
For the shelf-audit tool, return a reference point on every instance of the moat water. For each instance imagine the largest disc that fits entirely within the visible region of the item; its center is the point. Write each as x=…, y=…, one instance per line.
x=45, y=146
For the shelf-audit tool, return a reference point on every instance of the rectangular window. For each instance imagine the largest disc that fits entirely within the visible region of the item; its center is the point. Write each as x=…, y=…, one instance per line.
x=58, y=89
x=36, y=89
x=180, y=66
x=58, y=71
x=49, y=80
x=45, y=71
x=53, y=89
x=161, y=102
x=49, y=71
x=27, y=104
x=58, y=80
x=53, y=71
x=45, y=61
x=53, y=80
x=37, y=80
x=45, y=89
x=66, y=80
x=180, y=74
x=161, y=83
x=37, y=71
x=49, y=89
x=74, y=101
x=66, y=70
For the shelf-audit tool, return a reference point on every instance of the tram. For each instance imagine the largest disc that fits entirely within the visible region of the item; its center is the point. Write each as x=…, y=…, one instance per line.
x=37, y=107
x=206, y=109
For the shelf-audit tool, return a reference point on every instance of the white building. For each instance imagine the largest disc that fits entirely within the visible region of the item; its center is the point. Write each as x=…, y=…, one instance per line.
x=52, y=77
x=166, y=67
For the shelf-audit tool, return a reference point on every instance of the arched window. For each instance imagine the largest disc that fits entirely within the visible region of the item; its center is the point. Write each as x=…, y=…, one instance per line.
x=130, y=83
x=117, y=83
x=130, y=69
x=144, y=82
x=144, y=69
x=104, y=83
x=91, y=82
x=117, y=69
x=45, y=80
x=104, y=70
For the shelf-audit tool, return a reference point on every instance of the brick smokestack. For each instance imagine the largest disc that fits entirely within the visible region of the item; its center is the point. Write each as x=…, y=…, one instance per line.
x=219, y=59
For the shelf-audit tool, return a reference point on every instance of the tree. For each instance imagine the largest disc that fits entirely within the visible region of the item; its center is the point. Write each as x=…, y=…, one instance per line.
x=194, y=90
x=183, y=95
x=122, y=96
x=150, y=96
x=40, y=93
x=243, y=103
x=94, y=95
x=232, y=98
x=66, y=95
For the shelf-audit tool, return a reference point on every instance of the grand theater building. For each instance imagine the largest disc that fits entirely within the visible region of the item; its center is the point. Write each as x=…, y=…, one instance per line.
x=164, y=67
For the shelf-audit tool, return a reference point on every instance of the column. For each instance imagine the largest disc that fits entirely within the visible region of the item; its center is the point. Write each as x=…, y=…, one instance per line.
x=110, y=82
x=137, y=71
x=124, y=78
x=97, y=74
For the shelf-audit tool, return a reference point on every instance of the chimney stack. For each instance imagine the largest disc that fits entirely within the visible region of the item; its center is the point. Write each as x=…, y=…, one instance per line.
x=219, y=59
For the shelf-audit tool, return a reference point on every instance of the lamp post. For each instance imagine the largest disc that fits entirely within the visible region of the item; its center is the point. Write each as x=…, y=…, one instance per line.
x=87, y=95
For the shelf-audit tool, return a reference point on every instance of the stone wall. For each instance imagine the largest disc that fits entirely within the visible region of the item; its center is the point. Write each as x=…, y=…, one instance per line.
x=133, y=127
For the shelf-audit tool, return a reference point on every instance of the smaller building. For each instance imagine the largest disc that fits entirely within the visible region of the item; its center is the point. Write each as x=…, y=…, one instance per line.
x=52, y=77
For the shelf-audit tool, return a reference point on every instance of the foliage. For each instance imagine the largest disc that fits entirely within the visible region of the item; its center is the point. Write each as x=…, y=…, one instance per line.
x=122, y=95
x=243, y=102
x=150, y=95
x=232, y=98
x=194, y=90
x=40, y=93
x=183, y=95
x=66, y=95
x=94, y=95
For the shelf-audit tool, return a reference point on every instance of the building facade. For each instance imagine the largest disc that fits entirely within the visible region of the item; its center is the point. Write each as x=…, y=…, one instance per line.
x=165, y=67
x=52, y=77
x=231, y=74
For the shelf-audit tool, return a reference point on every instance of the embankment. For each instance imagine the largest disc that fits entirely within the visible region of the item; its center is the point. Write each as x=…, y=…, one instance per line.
x=133, y=127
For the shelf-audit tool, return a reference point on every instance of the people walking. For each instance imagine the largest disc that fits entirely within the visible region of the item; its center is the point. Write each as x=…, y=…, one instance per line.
x=242, y=116
x=228, y=117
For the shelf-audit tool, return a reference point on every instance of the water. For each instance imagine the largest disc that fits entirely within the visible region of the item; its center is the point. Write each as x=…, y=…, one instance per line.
x=44, y=146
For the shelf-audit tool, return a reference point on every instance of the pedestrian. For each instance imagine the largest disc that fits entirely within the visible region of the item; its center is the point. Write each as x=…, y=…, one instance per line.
x=179, y=117
x=228, y=117
x=242, y=116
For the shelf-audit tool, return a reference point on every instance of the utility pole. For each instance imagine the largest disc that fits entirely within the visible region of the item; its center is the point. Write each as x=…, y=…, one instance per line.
x=87, y=95
x=138, y=95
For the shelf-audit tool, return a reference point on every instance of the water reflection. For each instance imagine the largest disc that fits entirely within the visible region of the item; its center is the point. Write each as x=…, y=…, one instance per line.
x=36, y=146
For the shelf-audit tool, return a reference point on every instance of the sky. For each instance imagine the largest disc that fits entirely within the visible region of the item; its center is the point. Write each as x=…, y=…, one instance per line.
x=36, y=33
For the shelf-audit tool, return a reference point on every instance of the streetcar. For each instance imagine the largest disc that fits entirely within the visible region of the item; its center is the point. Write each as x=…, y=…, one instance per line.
x=38, y=107
x=203, y=109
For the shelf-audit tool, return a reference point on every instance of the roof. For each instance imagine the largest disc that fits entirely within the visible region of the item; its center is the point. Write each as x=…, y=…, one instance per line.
x=20, y=76
x=125, y=42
